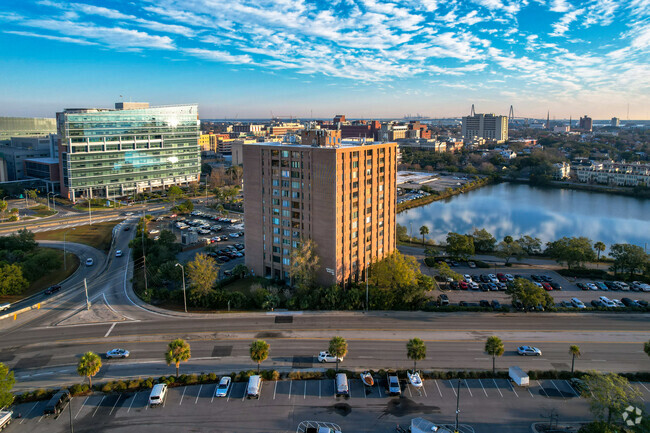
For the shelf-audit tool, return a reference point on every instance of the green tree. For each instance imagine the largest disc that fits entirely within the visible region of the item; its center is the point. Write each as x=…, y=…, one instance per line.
x=202, y=273
x=7, y=382
x=609, y=394
x=529, y=294
x=177, y=351
x=167, y=237
x=628, y=257
x=304, y=264
x=458, y=245
x=571, y=251
x=395, y=271
x=424, y=230
x=259, y=351
x=599, y=247
x=89, y=366
x=174, y=193
x=508, y=239
x=401, y=233
x=240, y=270
x=483, y=240
x=338, y=348
x=32, y=194
x=574, y=351
x=12, y=281
x=646, y=348
x=416, y=350
x=447, y=273
x=3, y=207
x=494, y=347
x=530, y=244
x=508, y=250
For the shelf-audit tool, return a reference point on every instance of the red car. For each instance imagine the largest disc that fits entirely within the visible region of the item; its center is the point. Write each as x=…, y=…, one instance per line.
x=463, y=285
x=502, y=278
x=547, y=286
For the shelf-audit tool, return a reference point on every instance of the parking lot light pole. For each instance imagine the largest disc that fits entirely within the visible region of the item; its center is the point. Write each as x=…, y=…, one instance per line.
x=184, y=297
x=65, y=263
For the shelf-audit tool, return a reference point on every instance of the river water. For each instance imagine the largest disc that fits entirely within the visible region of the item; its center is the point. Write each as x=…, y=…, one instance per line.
x=547, y=213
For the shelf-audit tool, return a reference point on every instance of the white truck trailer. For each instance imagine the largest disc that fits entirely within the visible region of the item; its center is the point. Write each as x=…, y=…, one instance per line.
x=518, y=376
x=5, y=418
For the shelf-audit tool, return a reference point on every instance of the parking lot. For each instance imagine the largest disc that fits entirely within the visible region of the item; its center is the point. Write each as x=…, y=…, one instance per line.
x=284, y=404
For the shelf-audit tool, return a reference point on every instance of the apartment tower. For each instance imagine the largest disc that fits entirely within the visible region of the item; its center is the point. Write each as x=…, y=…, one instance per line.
x=341, y=195
x=486, y=126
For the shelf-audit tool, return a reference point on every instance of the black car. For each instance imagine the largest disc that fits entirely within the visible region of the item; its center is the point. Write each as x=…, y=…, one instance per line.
x=453, y=285
x=610, y=285
x=495, y=304
x=52, y=289
x=582, y=286
x=546, y=278
x=535, y=278
x=127, y=228
x=463, y=304
x=224, y=258
x=597, y=303
x=643, y=303
x=518, y=305
x=556, y=286
x=485, y=278
x=485, y=287
x=630, y=302
x=484, y=303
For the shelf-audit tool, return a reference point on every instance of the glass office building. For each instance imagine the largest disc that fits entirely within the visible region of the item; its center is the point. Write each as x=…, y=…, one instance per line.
x=132, y=148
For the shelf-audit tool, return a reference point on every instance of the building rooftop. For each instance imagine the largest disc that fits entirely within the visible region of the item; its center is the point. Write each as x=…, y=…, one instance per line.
x=344, y=143
x=43, y=160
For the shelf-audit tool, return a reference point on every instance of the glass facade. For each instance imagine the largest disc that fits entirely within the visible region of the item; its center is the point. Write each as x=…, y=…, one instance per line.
x=118, y=152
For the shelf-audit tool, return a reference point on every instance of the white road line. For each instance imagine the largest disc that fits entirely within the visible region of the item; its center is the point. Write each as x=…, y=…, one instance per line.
x=349, y=389
x=109, y=330
x=134, y=397
x=641, y=383
x=634, y=389
x=184, y=389
x=28, y=412
x=467, y=386
x=244, y=396
x=319, y=387
x=481, y=383
x=82, y=406
x=439, y=392
x=540, y=385
x=113, y=310
x=98, y=404
x=365, y=394
x=409, y=388
x=275, y=389
x=572, y=389
x=304, y=396
x=530, y=392
x=198, y=394
x=423, y=389
x=232, y=385
x=379, y=388
x=558, y=390
x=497, y=386
x=126, y=270
x=118, y=399
x=513, y=389
x=452, y=388
x=214, y=392
x=290, y=383
x=40, y=419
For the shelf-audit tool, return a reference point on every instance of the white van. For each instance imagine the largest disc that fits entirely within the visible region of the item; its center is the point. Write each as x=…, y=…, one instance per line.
x=254, y=387
x=158, y=394
x=342, y=385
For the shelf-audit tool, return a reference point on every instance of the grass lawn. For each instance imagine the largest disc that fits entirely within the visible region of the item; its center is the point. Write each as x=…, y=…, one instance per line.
x=98, y=235
x=48, y=280
x=243, y=285
x=41, y=211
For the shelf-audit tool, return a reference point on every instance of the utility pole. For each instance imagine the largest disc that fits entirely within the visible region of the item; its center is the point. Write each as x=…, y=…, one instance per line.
x=87, y=300
x=70, y=411
x=90, y=213
x=184, y=297
x=144, y=256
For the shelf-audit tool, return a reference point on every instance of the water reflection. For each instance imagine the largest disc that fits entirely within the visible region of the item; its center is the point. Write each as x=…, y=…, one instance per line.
x=547, y=213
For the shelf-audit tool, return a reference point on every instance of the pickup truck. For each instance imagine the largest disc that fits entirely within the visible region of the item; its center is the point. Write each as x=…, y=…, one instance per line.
x=5, y=418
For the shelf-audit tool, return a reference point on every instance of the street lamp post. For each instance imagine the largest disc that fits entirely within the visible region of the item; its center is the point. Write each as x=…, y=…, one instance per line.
x=184, y=297
x=65, y=262
x=48, y=200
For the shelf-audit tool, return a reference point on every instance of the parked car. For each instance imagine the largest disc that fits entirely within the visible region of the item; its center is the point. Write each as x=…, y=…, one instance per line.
x=601, y=285
x=555, y=286
x=607, y=302
x=547, y=286
x=57, y=403
x=463, y=285
x=597, y=303
x=629, y=302
x=473, y=285
x=492, y=287
x=535, y=278
x=643, y=303
x=618, y=303
x=611, y=285
x=529, y=351
x=624, y=286
x=443, y=300
x=592, y=286
x=518, y=305
x=52, y=289
x=579, y=385
x=117, y=353
x=566, y=304
x=484, y=303
x=453, y=285
x=495, y=304
x=582, y=286
x=510, y=278
x=327, y=357
x=223, y=387
x=4, y=307
x=493, y=278
x=393, y=385
x=463, y=304
x=471, y=264
x=577, y=303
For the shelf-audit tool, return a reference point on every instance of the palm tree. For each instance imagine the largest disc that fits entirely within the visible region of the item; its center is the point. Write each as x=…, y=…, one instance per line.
x=646, y=347
x=599, y=247
x=424, y=230
x=338, y=348
x=177, y=351
x=574, y=351
x=259, y=352
x=494, y=347
x=89, y=365
x=416, y=350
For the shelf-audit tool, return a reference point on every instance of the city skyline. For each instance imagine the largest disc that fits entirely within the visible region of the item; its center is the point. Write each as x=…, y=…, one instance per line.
x=363, y=58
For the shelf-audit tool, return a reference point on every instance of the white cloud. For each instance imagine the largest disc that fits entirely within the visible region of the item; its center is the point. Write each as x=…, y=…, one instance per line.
x=217, y=55
x=51, y=37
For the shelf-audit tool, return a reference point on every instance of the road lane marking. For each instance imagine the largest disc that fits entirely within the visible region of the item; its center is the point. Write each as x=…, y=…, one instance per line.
x=453, y=389
x=558, y=390
x=28, y=412
x=439, y=392
x=198, y=394
x=134, y=397
x=497, y=386
x=184, y=389
x=543, y=390
x=290, y=383
x=118, y=399
x=409, y=388
x=379, y=388
x=98, y=405
x=641, y=383
x=512, y=388
x=467, y=386
x=481, y=383
x=109, y=330
x=275, y=389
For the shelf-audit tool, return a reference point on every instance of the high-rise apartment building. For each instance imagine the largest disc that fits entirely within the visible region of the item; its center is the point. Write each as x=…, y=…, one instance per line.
x=586, y=124
x=615, y=122
x=343, y=197
x=487, y=126
x=129, y=149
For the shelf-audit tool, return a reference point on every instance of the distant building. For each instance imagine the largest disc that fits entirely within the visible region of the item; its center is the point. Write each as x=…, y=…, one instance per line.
x=249, y=128
x=21, y=148
x=615, y=122
x=613, y=173
x=562, y=129
x=586, y=124
x=153, y=147
x=508, y=154
x=562, y=171
x=25, y=127
x=320, y=137
x=486, y=126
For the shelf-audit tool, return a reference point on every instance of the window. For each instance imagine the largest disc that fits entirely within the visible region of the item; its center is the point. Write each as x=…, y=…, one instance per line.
x=355, y=214
x=355, y=234
x=295, y=244
x=276, y=221
x=368, y=219
x=355, y=184
x=355, y=154
x=355, y=164
x=369, y=152
x=285, y=203
x=286, y=223
x=296, y=164
x=286, y=213
x=381, y=187
x=296, y=234
x=276, y=211
x=285, y=193
x=286, y=261
x=286, y=233
x=276, y=231
x=276, y=192
x=276, y=182
x=285, y=173
x=369, y=172
x=285, y=184
x=295, y=184
x=295, y=194
x=355, y=175
x=276, y=202
x=276, y=250
x=369, y=162
x=355, y=224
x=295, y=154
x=276, y=240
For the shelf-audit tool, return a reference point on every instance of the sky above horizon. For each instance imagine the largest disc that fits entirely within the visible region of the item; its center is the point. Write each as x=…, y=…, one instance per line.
x=362, y=58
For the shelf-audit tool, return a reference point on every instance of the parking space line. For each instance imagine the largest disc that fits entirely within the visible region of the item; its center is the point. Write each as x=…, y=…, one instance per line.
x=198, y=394
x=379, y=388
x=245, y=392
x=40, y=419
x=82, y=406
x=452, y=388
x=232, y=385
x=214, y=392
x=439, y=392
x=129, y=410
x=558, y=390
x=530, y=392
x=290, y=383
x=184, y=389
x=467, y=386
x=513, y=389
x=30, y=411
x=481, y=383
x=540, y=385
x=495, y=384
x=118, y=399
x=641, y=383
x=634, y=389
x=423, y=389
x=304, y=396
x=409, y=388
x=98, y=404
x=349, y=389
x=275, y=388
x=319, y=386
x=572, y=388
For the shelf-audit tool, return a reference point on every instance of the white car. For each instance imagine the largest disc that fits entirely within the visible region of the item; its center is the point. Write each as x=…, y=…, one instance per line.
x=538, y=284
x=618, y=303
x=467, y=278
x=234, y=235
x=509, y=277
x=577, y=303
x=4, y=307
x=607, y=302
x=327, y=357
x=473, y=285
x=117, y=353
x=118, y=253
x=493, y=278
x=89, y=261
x=592, y=286
x=529, y=351
x=223, y=387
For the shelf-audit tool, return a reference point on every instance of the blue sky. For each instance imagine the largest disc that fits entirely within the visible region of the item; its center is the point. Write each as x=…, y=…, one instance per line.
x=365, y=58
